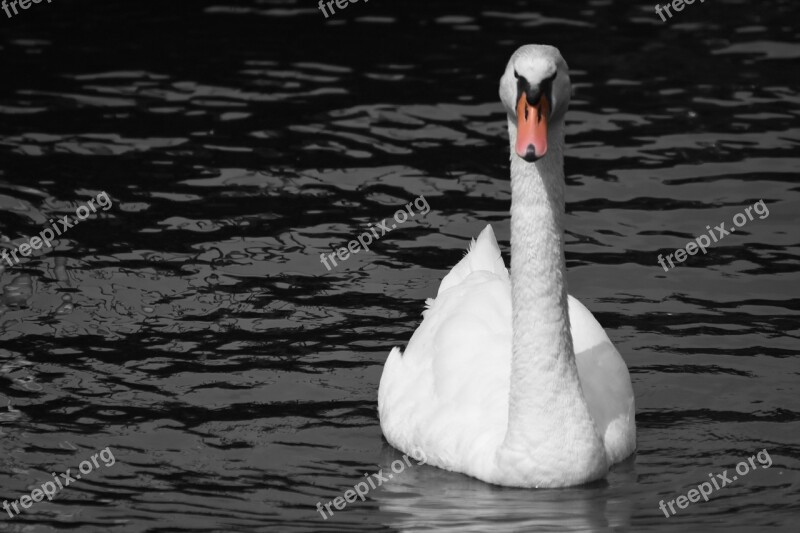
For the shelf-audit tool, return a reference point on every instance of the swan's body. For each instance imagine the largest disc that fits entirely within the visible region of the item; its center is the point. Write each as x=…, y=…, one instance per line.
x=508, y=379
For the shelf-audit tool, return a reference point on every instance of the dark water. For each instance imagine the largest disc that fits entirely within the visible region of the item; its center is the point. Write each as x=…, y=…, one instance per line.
x=192, y=329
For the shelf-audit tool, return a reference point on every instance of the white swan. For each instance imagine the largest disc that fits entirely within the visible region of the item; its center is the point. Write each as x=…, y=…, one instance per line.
x=495, y=383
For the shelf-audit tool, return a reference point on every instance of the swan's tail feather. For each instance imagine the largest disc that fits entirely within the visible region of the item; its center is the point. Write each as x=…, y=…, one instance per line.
x=483, y=254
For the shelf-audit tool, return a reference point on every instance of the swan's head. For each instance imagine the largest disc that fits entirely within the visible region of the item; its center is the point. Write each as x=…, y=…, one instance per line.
x=535, y=91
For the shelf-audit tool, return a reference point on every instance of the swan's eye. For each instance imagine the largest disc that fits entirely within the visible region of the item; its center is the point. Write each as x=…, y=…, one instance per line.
x=516, y=74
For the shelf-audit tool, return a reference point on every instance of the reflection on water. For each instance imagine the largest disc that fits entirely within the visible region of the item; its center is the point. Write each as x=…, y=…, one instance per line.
x=193, y=330
x=422, y=497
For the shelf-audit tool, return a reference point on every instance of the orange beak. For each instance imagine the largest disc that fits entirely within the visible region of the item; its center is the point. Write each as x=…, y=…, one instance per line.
x=532, y=128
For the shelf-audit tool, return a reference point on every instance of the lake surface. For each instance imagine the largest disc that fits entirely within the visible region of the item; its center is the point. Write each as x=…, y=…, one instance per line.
x=192, y=330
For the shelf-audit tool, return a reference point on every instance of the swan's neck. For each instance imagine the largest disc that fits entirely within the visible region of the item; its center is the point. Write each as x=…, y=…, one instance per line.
x=546, y=402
